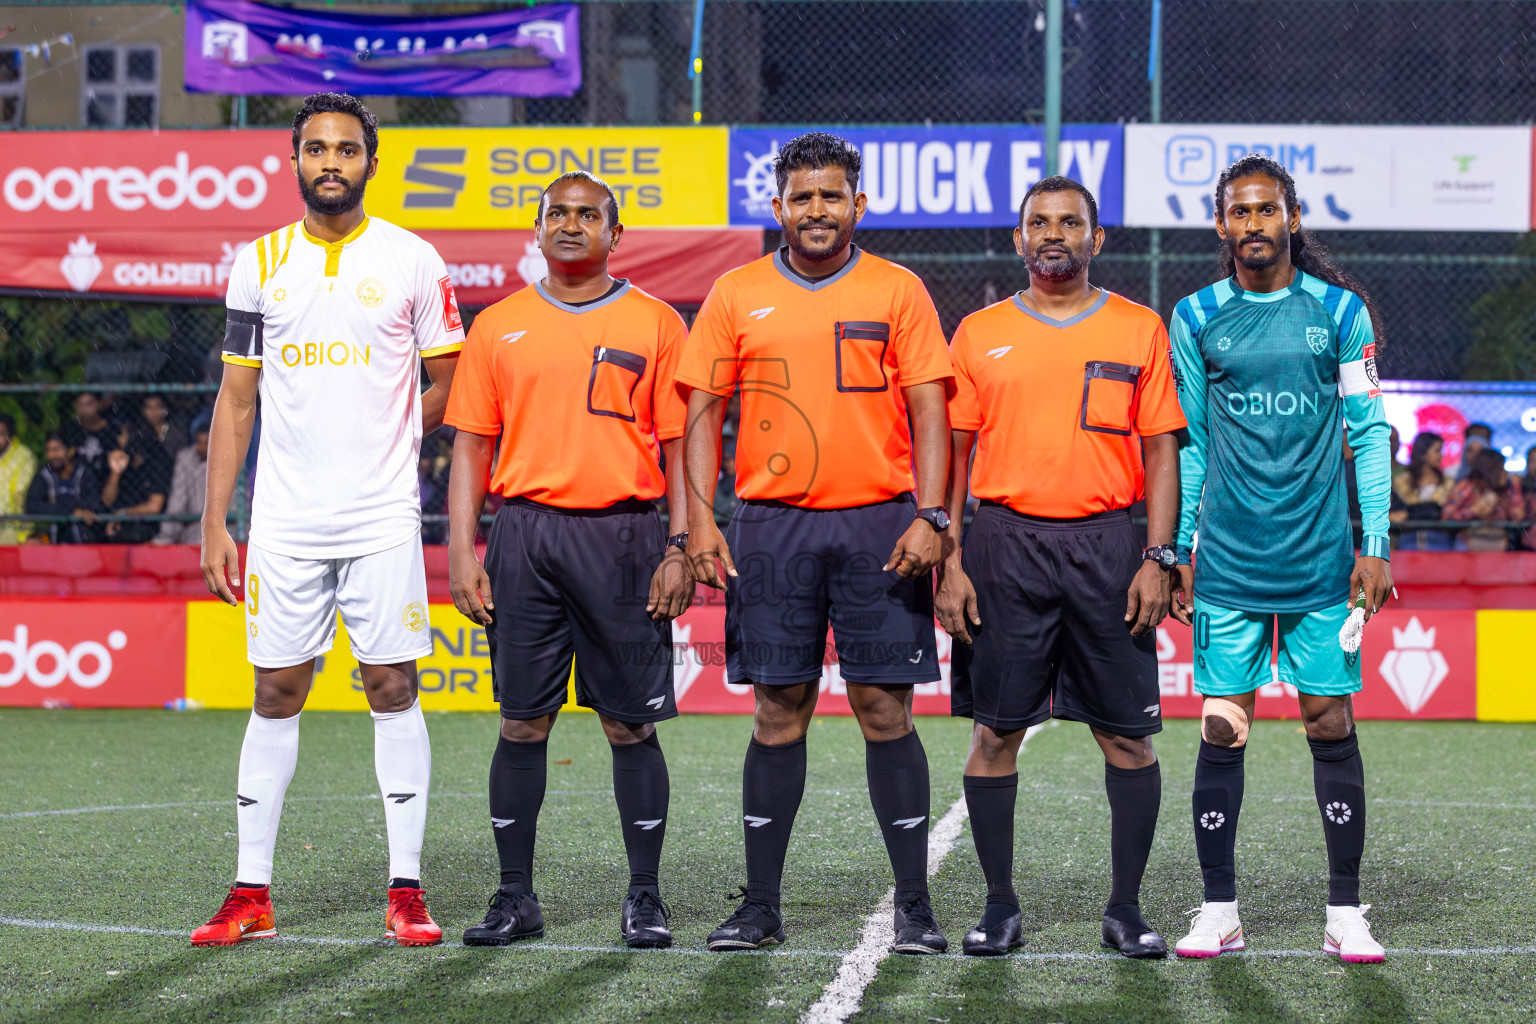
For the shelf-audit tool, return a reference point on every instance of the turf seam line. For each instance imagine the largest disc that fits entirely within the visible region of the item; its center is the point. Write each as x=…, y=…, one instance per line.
x=841, y=997
x=175, y=805
x=534, y=947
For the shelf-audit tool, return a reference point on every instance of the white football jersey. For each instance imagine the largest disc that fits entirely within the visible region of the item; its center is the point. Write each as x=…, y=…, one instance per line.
x=338, y=331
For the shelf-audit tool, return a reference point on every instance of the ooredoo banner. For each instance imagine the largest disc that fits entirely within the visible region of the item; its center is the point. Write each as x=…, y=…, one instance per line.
x=148, y=181
x=1348, y=177
x=471, y=179
x=98, y=654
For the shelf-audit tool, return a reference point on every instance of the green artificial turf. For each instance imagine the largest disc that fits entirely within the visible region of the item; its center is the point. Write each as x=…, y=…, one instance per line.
x=1448, y=866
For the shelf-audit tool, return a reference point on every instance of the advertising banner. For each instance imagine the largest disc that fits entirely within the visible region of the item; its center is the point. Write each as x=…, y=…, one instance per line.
x=939, y=176
x=492, y=178
x=1348, y=177
x=473, y=179
x=148, y=181
x=676, y=266
x=1414, y=664
x=1447, y=408
x=1421, y=663
x=92, y=654
x=249, y=49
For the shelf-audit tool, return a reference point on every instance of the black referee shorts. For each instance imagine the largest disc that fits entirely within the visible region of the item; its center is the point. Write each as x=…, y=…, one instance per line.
x=574, y=582
x=801, y=569
x=1053, y=642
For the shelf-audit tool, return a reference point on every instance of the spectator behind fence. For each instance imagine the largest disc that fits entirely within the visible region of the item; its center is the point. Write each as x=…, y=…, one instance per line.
x=1474, y=439
x=189, y=482
x=138, y=481
x=17, y=468
x=93, y=434
x=159, y=426
x=432, y=480
x=1423, y=489
x=1488, y=494
x=64, y=486
x=1528, y=485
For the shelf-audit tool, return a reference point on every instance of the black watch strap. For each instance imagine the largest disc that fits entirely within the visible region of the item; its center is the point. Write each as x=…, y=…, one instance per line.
x=678, y=540
x=1165, y=555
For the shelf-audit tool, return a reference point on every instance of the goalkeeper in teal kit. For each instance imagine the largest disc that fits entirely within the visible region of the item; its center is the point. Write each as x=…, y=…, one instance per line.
x=1271, y=364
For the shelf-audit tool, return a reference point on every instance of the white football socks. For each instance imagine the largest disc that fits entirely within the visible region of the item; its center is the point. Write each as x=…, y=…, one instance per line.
x=267, y=759
x=402, y=756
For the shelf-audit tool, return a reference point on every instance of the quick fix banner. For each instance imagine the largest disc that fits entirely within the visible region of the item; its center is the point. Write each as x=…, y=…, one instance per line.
x=245, y=49
x=939, y=176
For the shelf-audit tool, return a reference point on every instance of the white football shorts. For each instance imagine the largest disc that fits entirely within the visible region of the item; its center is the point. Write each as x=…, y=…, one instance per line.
x=291, y=605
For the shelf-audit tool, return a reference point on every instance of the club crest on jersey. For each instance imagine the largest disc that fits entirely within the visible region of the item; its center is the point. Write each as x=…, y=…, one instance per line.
x=1317, y=339
x=1226, y=343
x=370, y=292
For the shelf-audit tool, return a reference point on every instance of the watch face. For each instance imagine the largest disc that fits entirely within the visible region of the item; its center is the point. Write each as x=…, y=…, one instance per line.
x=941, y=519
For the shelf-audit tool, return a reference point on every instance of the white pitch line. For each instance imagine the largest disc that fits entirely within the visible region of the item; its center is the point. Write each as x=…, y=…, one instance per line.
x=843, y=994
x=536, y=946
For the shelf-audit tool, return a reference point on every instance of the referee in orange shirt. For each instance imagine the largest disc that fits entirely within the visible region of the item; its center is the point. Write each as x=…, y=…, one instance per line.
x=567, y=386
x=1064, y=389
x=832, y=349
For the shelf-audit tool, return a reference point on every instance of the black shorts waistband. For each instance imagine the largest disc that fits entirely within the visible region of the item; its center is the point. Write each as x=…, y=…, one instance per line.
x=629, y=506
x=905, y=498
x=1107, y=517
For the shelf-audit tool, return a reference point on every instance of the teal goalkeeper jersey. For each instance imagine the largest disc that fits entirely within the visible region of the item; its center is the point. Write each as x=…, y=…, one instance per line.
x=1265, y=381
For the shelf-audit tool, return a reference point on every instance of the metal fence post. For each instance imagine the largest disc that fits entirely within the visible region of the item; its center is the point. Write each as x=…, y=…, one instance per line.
x=1052, y=85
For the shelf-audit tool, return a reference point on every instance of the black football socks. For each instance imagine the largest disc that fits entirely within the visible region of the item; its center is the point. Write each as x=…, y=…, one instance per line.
x=642, y=788
x=1217, y=800
x=898, y=790
x=518, y=774
x=990, y=801
x=1338, y=775
x=772, y=784
x=1135, y=794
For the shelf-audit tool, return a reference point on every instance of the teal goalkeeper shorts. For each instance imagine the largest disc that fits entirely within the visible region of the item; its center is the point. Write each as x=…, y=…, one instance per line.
x=1232, y=651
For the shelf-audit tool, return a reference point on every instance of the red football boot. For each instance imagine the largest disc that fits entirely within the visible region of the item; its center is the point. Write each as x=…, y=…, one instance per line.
x=246, y=914
x=407, y=920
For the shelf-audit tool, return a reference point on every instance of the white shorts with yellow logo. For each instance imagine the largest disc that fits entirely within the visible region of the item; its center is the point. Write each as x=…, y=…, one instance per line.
x=291, y=605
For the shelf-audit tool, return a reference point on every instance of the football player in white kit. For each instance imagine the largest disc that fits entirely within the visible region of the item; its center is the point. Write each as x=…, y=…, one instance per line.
x=329, y=322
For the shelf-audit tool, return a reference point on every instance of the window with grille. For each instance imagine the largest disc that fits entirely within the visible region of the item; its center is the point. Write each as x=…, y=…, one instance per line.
x=13, y=88
x=120, y=87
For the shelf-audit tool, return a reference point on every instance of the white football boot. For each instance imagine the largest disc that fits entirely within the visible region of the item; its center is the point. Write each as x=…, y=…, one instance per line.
x=1216, y=930
x=1348, y=936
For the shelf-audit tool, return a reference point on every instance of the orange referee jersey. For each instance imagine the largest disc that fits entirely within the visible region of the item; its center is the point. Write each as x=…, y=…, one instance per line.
x=580, y=395
x=1060, y=406
x=821, y=365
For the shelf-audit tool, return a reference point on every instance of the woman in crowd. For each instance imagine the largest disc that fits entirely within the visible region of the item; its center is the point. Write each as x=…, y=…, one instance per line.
x=1488, y=494
x=1423, y=489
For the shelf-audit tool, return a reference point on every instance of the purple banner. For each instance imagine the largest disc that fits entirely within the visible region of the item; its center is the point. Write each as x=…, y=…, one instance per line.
x=248, y=49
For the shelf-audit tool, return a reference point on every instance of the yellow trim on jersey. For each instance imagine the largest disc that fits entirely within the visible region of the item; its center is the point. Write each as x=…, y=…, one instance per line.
x=261, y=260
x=442, y=350
x=241, y=360
x=333, y=249
x=287, y=244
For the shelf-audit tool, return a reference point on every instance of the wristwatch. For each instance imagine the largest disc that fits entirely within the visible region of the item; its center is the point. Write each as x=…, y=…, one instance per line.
x=936, y=517
x=1165, y=555
x=678, y=540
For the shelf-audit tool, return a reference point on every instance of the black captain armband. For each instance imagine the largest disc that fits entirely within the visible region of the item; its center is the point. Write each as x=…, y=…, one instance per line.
x=242, y=335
